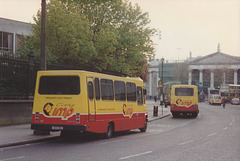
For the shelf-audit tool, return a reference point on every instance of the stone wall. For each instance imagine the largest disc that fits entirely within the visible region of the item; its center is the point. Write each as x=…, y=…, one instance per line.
x=14, y=112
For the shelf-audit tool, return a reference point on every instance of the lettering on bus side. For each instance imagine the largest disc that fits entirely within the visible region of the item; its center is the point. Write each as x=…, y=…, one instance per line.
x=181, y=102
x=59, y=110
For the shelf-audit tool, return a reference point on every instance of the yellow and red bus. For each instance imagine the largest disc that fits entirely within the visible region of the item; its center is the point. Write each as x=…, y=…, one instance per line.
x=184, y=100
x=69, y=101
x=167, y=91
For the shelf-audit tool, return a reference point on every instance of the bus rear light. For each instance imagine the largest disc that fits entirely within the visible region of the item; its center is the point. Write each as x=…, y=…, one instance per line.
x=77, y=117
x=37, y=117
x=195, y=106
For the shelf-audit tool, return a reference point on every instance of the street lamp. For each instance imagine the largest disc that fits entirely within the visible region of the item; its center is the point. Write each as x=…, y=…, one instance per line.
x=43, y=36
x=162, y=98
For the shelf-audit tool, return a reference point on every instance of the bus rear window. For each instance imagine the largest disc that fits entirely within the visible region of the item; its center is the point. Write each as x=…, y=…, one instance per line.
x=59, y=85
x=183, y=91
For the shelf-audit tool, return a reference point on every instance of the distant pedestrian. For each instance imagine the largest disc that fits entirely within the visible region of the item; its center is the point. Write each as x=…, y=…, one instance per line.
x=223, y=102
x=155, y=98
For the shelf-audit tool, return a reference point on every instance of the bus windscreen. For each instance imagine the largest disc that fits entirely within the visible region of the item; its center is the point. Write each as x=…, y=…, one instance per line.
x=214, y=92
x=183, y=91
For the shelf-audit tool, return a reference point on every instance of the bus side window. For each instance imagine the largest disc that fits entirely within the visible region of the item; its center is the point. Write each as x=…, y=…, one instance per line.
x=107, y=89
x=90, y=90
x=131, y=91
x=139, y=96
x=97, y=89
x=119, y=87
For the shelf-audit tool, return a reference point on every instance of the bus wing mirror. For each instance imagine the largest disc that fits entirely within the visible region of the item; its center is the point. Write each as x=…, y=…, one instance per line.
x=144, y=91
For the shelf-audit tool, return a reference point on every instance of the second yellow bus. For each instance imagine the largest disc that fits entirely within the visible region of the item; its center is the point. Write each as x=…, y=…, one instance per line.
x=184, y=100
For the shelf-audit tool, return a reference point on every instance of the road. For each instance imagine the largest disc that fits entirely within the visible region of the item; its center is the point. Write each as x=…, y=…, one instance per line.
x=213, y=136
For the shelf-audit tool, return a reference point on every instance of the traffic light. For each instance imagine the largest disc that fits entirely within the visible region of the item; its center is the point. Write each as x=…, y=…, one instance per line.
x=160, y=84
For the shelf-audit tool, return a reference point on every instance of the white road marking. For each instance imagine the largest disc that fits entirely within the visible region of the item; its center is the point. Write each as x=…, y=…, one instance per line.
x=12, y=158
x=225, y=128
x=211, y=134
x=19, y=146
x=187, y=142
x=109, y=142
x=231, y=124
x=135, y=155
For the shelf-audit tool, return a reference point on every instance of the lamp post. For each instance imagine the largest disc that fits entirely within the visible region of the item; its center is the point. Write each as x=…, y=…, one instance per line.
x=43, y=36
x=162, y=97
x=162, y=79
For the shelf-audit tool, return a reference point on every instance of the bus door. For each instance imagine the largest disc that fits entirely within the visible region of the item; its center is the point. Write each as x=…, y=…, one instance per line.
x=91, y=100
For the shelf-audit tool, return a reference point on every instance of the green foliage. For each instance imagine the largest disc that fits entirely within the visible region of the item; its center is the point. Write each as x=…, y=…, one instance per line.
x=98, y=34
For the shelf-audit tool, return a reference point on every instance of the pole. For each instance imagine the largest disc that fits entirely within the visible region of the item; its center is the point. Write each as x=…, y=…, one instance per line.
x=43, y=37
x=162, y=86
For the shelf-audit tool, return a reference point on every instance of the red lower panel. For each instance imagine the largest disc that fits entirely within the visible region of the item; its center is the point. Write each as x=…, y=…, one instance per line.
x=96, y=123
x=174, y=107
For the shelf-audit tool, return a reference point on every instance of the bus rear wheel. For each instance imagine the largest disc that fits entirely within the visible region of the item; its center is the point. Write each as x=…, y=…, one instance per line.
x=174, y=114
x=110, y=131
x=144, y=129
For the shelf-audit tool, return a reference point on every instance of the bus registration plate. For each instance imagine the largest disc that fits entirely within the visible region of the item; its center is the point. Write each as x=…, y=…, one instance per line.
x=57, y=127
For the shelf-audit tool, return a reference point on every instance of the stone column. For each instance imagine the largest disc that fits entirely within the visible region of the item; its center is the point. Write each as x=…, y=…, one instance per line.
x=212, y=79
x=201, y=76
x=224, y=77
x=235, y=76
x=190, y=77
x=14, y=43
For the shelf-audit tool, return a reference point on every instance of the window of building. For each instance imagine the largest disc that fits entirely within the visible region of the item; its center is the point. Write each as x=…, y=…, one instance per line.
x=107, y=89
x=119, y=87
x=6, y=41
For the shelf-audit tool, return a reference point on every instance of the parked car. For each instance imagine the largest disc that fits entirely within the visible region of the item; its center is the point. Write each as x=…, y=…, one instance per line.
x=235, y=101
x=215, y=99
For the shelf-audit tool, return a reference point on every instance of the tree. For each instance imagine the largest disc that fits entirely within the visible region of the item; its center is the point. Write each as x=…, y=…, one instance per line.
x=101, y=34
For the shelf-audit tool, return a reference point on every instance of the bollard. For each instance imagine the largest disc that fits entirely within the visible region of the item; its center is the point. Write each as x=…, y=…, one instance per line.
x=155, y=110
x=165, y=105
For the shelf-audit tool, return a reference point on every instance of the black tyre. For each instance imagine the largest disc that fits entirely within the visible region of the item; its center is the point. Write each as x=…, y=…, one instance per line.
x=174, y=114
x=144, y=129
x=194, y=115
x=109, y=131
x=40, y=132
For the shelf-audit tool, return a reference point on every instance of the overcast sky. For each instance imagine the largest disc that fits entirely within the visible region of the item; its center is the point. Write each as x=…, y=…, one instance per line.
x=186, y=26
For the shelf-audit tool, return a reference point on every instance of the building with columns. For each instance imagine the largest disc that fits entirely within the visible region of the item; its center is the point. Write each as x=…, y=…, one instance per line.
x=209, y=71
x=214, y=69
x=152, y=79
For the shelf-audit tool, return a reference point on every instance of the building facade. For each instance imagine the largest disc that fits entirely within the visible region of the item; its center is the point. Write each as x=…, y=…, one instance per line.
x=214, y=69
x=209, y=71
x=172, y=71
x=11, y=33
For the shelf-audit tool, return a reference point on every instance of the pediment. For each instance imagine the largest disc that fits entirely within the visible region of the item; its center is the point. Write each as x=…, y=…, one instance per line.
x=216, y=58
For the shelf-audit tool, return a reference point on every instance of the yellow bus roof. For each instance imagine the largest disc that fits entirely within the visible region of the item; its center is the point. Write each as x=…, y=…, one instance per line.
x=83, y=72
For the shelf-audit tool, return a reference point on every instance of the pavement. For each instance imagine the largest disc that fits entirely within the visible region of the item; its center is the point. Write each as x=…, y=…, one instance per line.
x=22, y=134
